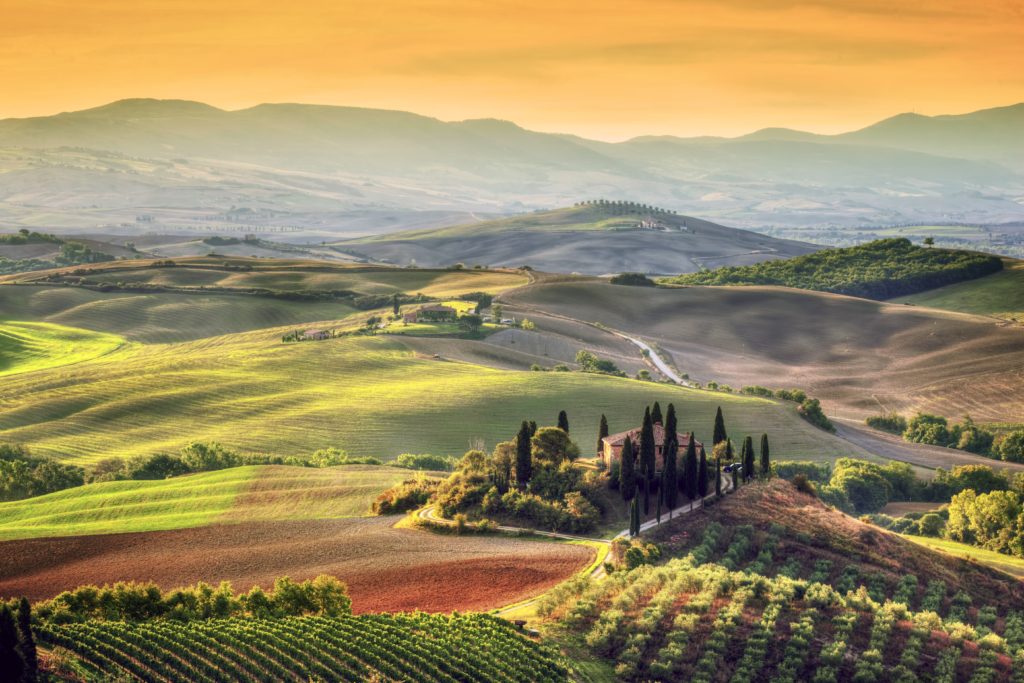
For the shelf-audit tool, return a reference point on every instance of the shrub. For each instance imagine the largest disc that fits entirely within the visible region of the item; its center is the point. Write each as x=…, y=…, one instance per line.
x=409, y=495
x=632, y=279
x=891, y=422
x=811, y=411
x=801, y=483
x=425, y=461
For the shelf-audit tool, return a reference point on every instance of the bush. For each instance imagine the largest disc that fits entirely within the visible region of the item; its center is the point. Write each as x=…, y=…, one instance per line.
x=632, y=279
x=758, y=391
x=134, y=602
x=425, y=461
x=409, y=495
x=891, y=422
x=1011, y=446
x=803, y=485
x=811, y=411
x=24, y=476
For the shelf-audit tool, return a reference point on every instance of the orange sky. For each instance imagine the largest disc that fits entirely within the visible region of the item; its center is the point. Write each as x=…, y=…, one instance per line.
x=600, y=68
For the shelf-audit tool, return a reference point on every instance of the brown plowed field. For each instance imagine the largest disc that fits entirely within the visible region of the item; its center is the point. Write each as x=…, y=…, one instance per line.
x=386, y=569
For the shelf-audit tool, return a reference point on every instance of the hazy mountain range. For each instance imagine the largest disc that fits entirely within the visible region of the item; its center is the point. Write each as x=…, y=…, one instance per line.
x=158, y=165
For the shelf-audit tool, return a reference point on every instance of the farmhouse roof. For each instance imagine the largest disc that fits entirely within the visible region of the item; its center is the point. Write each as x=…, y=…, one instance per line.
x=683, y=440
x=438, y=308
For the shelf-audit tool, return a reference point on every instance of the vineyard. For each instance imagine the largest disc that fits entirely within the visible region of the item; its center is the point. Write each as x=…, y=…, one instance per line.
x=684, y=621
x=399, y=647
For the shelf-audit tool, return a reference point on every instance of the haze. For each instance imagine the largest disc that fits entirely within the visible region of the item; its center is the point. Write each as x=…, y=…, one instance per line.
x=603, y=69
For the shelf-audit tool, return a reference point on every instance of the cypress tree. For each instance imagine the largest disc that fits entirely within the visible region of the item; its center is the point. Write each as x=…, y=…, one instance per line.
x=656, y=413
x=395, y=303
x=720, y=434
x=748, y=464
x=26, y=642
x=524, y=456
x=735, y=480
x=766, y=465
x=627, y=471
x=602, y=431
x=661, y=494
x=690, y=470
x=670, y=473
x=671, y=428
x=533, y=428
x=563, y=421
x=635, y=515
x=743, y=459
x=718, y=478
x=702, y=475
x=647, y=458
x=12, y=667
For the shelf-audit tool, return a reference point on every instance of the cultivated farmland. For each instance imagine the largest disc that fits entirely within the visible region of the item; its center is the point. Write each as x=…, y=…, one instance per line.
x=28, y=346
x=859, y=357
x=238, y=494
x=368, y=395
x=386, y=569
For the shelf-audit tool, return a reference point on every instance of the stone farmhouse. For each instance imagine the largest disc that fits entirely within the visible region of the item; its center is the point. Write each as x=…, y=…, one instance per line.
x=611, y=445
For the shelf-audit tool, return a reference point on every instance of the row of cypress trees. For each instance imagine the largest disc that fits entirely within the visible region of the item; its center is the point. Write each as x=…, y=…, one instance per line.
x=18, y=659
x=637, y=464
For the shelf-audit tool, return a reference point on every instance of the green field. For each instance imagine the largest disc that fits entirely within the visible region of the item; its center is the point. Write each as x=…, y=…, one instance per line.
x=1007, y=563
x=1000, y=295
x=29, y=346
x=239, y=494
x=368, y=395
x=159, y=317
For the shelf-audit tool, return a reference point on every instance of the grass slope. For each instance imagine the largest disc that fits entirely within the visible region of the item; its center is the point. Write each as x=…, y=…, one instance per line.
x=369, y=395
x=240, y=494
x=28, y=346
x=989, y=558
x=159, y=317
x=1000, y=295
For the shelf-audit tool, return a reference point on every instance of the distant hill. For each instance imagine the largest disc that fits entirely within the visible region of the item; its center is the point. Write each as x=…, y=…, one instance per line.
x=167, y=166
x=589, y=238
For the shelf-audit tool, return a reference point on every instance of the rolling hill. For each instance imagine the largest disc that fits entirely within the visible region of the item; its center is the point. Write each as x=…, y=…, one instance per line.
x=771, y=585
x=591, y=239
x=859, y=357
x=368, y=395
x=1000, y=295
x=177, y=167
x=28, y=346
x=240, y=494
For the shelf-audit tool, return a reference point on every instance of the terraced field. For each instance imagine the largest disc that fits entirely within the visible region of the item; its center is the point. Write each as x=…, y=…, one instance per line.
x=240, y=494
x=28, y=346
x=368, y=395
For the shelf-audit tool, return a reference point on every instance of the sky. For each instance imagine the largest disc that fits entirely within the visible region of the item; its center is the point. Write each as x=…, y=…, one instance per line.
x=599, y=68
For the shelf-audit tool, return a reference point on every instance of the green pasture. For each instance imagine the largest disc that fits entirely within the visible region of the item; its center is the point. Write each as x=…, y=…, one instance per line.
x=1000, y=295
x=239, y=494
x=30, y=346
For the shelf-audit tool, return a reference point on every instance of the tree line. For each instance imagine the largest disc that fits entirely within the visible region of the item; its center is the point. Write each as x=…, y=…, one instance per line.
x=882, y=269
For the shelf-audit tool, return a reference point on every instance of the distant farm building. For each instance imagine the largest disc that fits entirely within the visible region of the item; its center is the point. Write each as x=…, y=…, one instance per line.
x=611, y=445
x=410, y=317
x=316, y=334
x=437, y=313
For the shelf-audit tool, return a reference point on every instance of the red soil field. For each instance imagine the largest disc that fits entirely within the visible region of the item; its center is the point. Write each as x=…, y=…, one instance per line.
x=386, y=569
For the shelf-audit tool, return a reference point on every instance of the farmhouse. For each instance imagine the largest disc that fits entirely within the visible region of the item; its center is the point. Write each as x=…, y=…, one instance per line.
x=316, y=334
x=410, y=317
x=437, y=313
x=611, y=445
